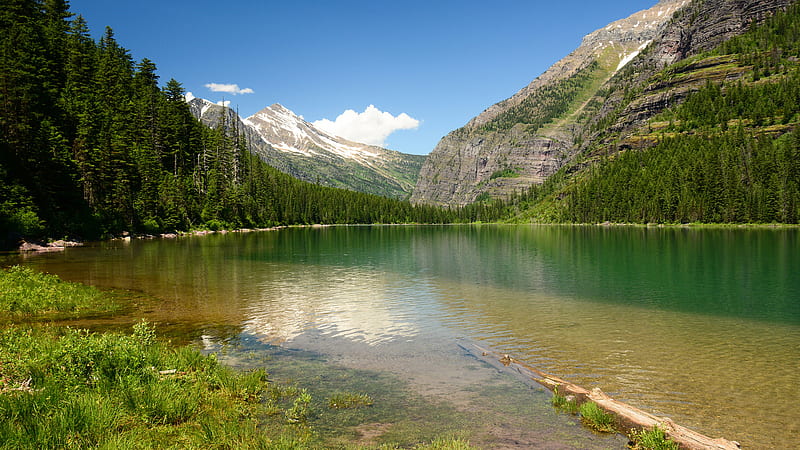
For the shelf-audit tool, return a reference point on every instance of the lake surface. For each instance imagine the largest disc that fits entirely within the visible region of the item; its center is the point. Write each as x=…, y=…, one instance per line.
x=700, y=325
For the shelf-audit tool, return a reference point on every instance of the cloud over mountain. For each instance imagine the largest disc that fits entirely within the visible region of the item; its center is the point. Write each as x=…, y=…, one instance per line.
x=228, y=88
x=371, y=127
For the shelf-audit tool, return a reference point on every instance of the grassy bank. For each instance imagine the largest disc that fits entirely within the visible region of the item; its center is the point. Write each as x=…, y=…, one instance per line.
x=27, y=295
x=62, y=387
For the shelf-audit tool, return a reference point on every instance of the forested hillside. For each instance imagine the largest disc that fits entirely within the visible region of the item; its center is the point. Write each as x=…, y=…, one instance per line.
x=730, y=152
x=91, y=144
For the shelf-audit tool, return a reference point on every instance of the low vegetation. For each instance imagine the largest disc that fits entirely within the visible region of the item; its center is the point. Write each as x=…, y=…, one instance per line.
x=29, y=295
x=652, y=439
x=596, y=418
x=590, y=413
x=69, y=388
x=563, y=403
x=505, y=173
x=72, y=388
x=346, y=400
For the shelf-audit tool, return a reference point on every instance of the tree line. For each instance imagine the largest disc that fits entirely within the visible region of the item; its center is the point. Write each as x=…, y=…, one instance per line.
x=91, y=144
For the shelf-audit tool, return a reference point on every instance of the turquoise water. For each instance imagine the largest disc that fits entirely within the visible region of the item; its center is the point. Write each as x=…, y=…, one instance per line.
x=701, y=325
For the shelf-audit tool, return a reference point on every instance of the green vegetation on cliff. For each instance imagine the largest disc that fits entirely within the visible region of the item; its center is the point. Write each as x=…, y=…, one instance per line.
x=547, y=103
x=728, y=153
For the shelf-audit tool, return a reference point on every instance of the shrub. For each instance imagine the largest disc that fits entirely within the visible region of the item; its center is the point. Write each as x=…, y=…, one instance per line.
x=595, y=418
x=653, y=439
x=25, y=293
x=561, y=402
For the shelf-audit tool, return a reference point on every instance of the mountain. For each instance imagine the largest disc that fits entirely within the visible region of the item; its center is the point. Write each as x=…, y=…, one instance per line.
x=588, y=103
x=703, y=126
x=285, y=141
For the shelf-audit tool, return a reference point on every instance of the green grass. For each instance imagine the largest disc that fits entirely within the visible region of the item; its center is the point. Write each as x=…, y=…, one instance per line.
x=562, y=403
x=446, y=444
x=29, y=295
x=345, y=400
x=595, y=418
x=504, y=173
x=67, y=388
x=70, y=387
x=652, y=439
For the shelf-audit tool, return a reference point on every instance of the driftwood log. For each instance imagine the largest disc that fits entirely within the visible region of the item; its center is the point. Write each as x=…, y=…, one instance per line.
x=627, y=417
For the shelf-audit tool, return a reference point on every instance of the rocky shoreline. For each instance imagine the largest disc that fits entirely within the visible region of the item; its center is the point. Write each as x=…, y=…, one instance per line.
x=61, y=244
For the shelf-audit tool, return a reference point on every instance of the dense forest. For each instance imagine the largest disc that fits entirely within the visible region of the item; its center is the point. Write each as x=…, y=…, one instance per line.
x=730, y=153
x=91, y=144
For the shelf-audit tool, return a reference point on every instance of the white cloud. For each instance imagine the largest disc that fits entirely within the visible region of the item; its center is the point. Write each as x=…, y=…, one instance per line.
x=188, y=96
x=229, y=88
x=371, y=127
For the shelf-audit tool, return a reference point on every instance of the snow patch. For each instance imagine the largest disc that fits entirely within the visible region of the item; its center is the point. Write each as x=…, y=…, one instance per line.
x=287, y=132
x=205, y=107
x=630, y=57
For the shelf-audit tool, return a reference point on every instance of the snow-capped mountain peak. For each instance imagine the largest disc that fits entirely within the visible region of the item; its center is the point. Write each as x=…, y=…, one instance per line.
x=286, y=131
x=287, y=142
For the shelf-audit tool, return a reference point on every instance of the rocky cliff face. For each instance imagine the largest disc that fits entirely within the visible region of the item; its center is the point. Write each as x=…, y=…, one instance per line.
x=290, y=144
x=700, y=26
x=528, y=137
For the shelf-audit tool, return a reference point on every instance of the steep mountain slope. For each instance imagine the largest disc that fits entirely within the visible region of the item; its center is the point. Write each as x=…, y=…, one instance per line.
x=596, y=96
x=526, y=138
x=702, y=127
x=287, y=142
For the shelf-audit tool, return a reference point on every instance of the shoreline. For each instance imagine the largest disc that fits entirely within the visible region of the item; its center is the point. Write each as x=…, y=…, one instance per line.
x=628, y=419
x=35, y=246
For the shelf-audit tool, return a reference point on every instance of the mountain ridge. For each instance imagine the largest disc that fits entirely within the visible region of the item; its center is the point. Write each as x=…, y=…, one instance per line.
x=550, y=123
x=284, y=140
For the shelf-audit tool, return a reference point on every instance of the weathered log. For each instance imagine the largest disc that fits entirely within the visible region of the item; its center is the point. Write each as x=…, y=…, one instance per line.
x=628, y=417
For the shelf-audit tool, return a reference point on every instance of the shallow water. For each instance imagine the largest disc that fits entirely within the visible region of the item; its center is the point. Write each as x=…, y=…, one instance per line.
x=701, y=325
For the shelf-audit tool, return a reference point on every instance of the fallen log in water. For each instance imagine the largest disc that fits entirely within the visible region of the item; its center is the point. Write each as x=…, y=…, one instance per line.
x=627, y=417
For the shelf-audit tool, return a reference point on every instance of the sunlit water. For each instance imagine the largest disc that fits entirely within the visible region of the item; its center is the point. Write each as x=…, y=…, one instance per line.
x=701, y=325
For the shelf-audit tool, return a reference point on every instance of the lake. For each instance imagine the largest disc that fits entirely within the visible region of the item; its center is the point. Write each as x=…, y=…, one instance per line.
x=698, y=324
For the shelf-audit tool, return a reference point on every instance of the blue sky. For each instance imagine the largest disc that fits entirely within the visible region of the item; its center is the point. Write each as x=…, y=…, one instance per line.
x=439, y=62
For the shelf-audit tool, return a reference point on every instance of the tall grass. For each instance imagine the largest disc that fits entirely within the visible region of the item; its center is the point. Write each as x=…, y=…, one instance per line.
x=595, y=418
x=67, y=388
x=651, y=439
x=27, y=294
x=72, y=388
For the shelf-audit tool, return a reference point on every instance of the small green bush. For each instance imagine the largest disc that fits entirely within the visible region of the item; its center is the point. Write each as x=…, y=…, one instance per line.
x=654, y=439
x=28, y=294
x=595, y=418
x=559, y=401
x=505, y=173
x=300, y=409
